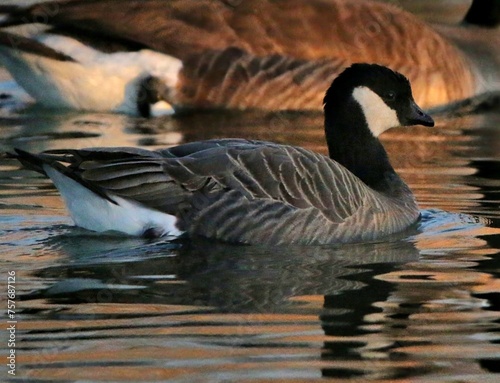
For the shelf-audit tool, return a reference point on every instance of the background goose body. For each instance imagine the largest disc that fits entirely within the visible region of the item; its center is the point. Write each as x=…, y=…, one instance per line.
x=217, y=51
x=83, y=78
x=253, y=191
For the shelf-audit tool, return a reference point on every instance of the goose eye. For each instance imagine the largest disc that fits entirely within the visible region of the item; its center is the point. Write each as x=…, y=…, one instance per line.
x=390, y=96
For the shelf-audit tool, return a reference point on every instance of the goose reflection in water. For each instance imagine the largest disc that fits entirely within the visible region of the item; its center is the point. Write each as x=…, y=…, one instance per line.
x=227, y=278
x=367, y=301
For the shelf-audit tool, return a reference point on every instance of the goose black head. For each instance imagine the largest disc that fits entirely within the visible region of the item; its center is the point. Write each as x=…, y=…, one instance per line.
x=384, y=97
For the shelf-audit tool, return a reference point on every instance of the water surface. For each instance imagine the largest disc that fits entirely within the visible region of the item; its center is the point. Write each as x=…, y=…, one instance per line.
x=422, y=307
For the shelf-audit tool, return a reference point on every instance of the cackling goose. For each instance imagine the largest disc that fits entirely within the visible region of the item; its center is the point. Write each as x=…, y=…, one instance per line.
x=255, y=192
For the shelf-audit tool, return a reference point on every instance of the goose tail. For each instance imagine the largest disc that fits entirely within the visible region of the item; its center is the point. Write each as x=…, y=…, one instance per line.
x=25, y=44
x=28, y=160
x=44, y=162
x=95, y=209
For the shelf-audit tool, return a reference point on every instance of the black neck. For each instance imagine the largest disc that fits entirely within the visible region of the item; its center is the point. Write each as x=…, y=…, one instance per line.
x=351, y=143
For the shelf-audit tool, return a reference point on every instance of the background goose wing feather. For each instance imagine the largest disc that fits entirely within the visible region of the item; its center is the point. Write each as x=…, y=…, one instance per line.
x=235, y=78
x=182, y=27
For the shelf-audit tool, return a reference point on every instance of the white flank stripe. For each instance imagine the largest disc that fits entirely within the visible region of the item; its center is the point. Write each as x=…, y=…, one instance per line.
x=93, y=212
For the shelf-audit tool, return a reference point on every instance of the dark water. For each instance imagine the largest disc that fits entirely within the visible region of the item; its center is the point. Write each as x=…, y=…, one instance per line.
x=424, y=307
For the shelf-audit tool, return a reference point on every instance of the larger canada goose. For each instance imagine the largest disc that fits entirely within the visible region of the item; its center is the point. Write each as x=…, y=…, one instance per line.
x=253, y=191
x=272, y=54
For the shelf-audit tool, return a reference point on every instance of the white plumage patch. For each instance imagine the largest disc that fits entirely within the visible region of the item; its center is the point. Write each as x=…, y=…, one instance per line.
x=96, y=81
x=161, y=108
x=92, y=212
x=379, y=116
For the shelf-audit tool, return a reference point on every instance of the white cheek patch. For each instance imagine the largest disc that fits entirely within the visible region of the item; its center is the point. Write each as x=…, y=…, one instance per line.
x=378, y=115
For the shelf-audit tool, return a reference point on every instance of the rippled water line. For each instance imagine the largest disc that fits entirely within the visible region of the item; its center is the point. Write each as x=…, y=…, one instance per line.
x=99, y=307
